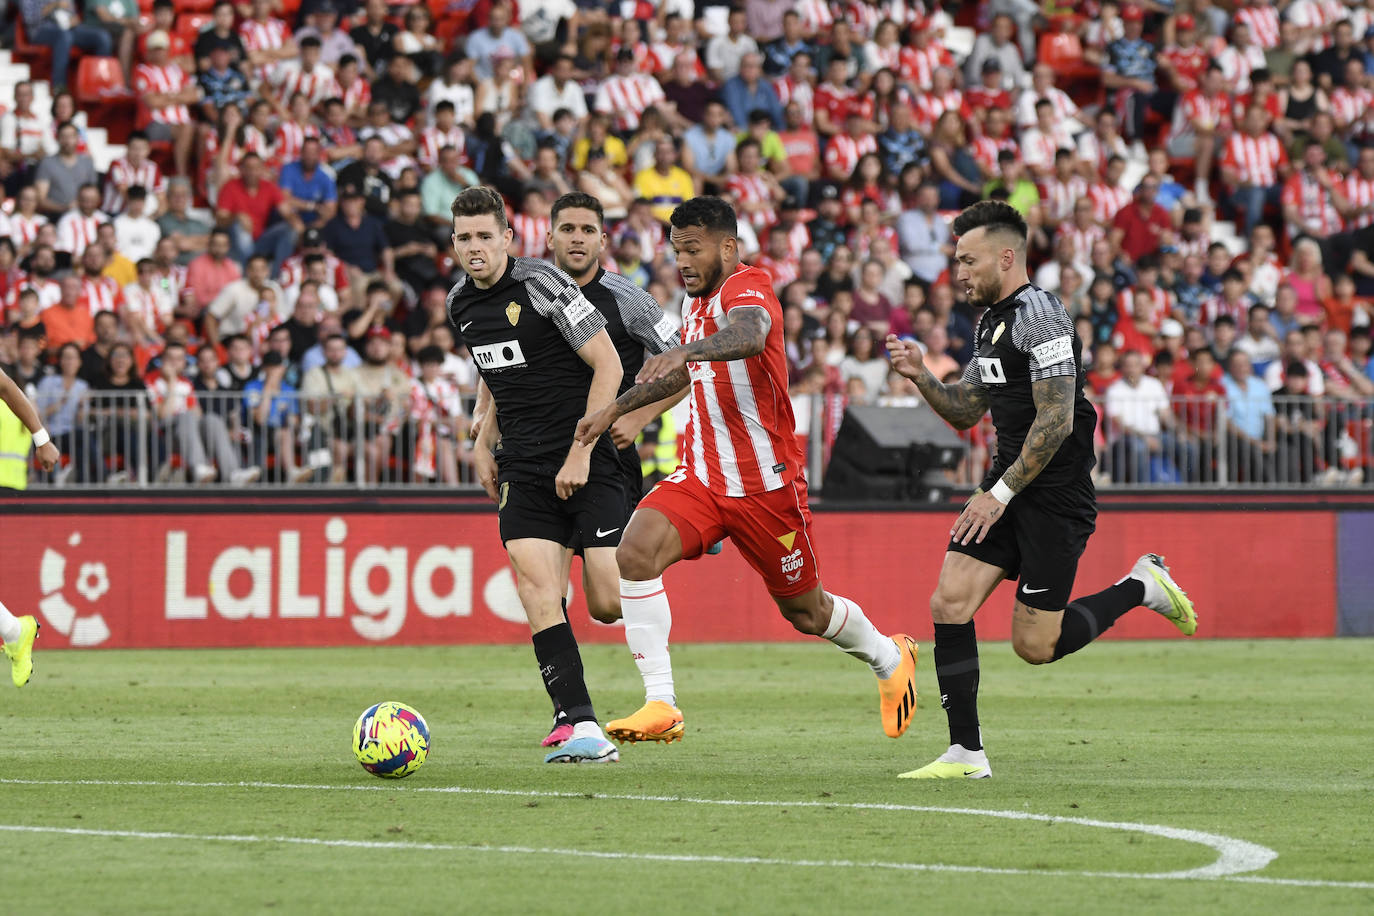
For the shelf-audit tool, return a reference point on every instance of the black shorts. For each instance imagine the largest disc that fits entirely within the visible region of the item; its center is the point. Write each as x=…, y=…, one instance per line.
x=1039, y=540
x=632, y=479
x=594, y=516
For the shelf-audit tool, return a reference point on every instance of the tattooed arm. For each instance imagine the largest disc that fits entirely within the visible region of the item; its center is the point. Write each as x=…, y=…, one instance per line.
x=962, y=404
x=1052, y=425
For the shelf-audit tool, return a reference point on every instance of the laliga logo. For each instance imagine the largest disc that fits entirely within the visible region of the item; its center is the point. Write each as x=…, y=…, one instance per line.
x=92, y=582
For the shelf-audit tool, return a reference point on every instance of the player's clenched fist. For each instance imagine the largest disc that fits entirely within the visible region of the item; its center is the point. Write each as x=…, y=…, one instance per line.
x=572, y=476
x=590, y=428
x=48, y=455
x=908, y=357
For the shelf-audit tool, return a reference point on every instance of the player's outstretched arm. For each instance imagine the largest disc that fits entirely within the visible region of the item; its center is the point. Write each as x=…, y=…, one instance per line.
x=746, y=335
x=1052, y=425
x=23, y=408
x=961, y=404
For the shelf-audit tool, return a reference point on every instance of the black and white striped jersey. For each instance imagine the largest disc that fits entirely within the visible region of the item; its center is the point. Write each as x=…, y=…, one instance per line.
x=634, y=320
x=1025, y=338
x=524, y=333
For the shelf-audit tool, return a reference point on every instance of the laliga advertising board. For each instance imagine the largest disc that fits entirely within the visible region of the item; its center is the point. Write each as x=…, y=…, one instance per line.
x=334, y=578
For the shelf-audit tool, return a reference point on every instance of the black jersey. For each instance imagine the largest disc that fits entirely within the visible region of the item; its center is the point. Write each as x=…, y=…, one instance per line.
x=1026, y=337
x=633, y=319
x=524, y=333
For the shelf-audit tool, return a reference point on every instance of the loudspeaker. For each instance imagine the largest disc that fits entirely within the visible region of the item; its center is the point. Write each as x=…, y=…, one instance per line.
x=888, y=453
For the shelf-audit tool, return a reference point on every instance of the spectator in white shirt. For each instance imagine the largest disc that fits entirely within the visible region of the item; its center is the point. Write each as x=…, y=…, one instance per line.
x=1138, y=416
x=724, y=53
x=136, y=236
x=557, y=89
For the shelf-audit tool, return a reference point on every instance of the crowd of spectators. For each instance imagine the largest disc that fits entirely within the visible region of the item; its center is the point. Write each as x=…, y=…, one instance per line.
x=273, y=246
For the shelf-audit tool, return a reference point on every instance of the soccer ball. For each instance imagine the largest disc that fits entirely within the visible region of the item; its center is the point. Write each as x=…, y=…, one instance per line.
x=391, y=740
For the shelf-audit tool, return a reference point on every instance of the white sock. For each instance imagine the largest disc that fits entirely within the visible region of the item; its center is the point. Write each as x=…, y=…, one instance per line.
x=648, y=619
x=851, y=631
x=9, y=625
x=587, y=729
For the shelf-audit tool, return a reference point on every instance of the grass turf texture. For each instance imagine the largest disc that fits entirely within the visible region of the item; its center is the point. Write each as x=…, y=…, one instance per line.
x=1261, y=741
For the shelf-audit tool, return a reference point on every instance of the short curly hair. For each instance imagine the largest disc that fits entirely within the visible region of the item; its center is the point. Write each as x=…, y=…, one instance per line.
x=994, y=215
x=707, y=212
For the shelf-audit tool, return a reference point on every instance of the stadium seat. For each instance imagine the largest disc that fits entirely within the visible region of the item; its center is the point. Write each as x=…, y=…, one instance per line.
x=100, y=80
x=188, y=25
x=38, y=57
x=193, y=6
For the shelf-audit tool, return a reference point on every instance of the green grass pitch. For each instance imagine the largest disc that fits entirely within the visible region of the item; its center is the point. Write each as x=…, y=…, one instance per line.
x=136, y=766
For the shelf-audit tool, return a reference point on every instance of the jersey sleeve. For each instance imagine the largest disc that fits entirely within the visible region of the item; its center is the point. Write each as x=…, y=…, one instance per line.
x=644, y=320
x=750, y=289
x=1044, y=331
x=556, y=297
x=971, y=374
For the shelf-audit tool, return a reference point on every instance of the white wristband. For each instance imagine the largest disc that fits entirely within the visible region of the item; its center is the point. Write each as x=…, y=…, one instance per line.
x=41, y=438
x=1001, y=492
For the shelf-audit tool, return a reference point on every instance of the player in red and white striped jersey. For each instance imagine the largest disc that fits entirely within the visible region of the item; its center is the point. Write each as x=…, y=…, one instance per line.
x=1359, y=191
x=167, y=91
x=741, y=475
x=627, y=93
x=77, y=228
x=134, y=169
x=1263, y=20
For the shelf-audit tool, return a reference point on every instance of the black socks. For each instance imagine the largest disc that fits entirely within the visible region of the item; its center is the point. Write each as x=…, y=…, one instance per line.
x=560, y=665
x=956, y=668
x=1089, y=617
x=559, y=716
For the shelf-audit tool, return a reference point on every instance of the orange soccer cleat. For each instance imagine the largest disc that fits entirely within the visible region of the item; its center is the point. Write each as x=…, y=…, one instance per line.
x=654, y=721
x=898, y=692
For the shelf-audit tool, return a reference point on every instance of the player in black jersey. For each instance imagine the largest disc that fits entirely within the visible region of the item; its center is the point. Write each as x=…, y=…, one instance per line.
x=637, y=325
x=1033, y=514
x=544, y=352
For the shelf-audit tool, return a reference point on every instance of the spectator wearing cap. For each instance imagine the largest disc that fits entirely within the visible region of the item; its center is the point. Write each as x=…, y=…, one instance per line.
x=56, y=24
x=1184, y=61
x=309, y=185
x=483, y=45
x=997, y=43
x=1143, y=226
x=167, y=91
x=1254, y=166
x=246, y=207
x=724, y=53
x=359, y=240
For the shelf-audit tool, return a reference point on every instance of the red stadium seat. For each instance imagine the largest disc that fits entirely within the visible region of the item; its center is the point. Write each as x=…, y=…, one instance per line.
x=193, y=6
x=188, y=26
x=100, y=80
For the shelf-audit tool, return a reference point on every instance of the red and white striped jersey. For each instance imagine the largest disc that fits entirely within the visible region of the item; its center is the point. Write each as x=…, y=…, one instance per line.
x=803, y=93
x=1353, y=110
x=928, y=106
x=1064, y=107
x=626, y=97
x=24, y=229
x=879, y=58
x=290, y=138
x=264, y=36
x=30, y=131
x=843, y=153
x=1359, y=190
x=985, y=150
x=1187, y=246
x=1215, y=306
x=1255, y=159
x=753, y=189
x=181, y=391
x=167, y=78
x=1060, y=196
x=1316, y=207
x=1197, y=108
x=782, y=271
x=1160, y=304
x=1320, y=15
x=49, y=292
x=1107, y=200
x=650, y=239
x=740, y=435
x=1264, y=24
x=1189, y=64
x=1237, y=65
x=1038, y=147
x=356, y=96
x=798, y=239
x=155, y=306
x=1094, y=151
x=531, y=235
x=125, y=175
x=317, y=85
x=432, y=139
x=1082, y=240
x=917, y=66
x=75, y=232
x=837, y=102
x=862, y=242
x=816, y=14
x=102, y=294
x=662, y=55
x=293, y=271
x=644, y=62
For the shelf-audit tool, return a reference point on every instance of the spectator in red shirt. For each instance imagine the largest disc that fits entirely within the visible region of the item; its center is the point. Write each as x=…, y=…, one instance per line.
x=1144, y=226
x=210, y=272
x=1195, y=404
x=246, y=206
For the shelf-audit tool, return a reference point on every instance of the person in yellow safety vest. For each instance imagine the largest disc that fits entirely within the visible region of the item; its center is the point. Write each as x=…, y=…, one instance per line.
x=18, y=633
x=658, y=449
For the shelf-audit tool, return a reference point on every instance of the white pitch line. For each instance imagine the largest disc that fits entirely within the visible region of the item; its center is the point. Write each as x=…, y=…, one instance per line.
x=678, y=858
x=1233, y=856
